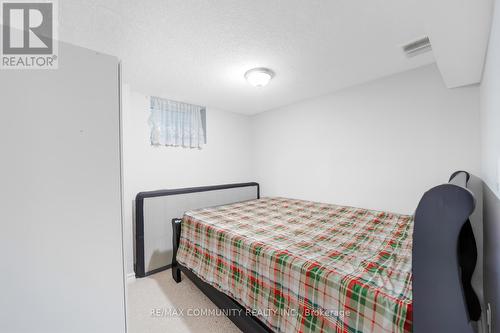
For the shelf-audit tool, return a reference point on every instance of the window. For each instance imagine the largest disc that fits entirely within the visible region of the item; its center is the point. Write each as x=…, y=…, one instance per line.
x=177, y=124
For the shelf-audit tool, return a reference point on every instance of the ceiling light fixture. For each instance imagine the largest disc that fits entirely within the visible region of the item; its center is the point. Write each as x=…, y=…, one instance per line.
x=259, y=77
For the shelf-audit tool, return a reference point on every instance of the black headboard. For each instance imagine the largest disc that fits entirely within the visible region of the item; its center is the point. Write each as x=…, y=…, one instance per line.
x=155, y=209
x=444, y=258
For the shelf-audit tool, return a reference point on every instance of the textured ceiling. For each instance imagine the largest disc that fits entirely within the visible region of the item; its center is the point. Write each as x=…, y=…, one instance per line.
x=198, y=51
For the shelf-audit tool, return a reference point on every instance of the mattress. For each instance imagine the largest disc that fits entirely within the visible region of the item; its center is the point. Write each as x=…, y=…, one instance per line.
x=302, y=266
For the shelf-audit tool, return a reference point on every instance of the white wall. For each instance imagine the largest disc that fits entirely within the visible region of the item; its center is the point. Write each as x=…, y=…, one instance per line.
x=61, y=237
x=490, y=160
x=224, y=159
x=490, y=109
x=379, y=145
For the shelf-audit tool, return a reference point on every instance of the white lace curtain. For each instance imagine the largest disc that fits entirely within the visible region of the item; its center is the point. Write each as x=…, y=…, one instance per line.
x=176, y=124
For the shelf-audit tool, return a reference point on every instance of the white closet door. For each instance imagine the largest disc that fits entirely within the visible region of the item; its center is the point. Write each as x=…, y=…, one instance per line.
x=60, y=197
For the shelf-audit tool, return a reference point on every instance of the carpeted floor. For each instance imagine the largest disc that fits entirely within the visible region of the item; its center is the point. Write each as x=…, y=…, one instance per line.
x=157, y=304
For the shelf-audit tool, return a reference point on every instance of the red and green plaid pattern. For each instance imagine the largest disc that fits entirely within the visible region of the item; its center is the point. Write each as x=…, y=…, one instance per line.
x=304, y=266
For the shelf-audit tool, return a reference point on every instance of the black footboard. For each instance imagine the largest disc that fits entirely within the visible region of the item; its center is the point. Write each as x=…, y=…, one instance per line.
x=444, y=258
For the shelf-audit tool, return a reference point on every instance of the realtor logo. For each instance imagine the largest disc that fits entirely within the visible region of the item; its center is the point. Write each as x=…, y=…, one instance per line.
x=29, y=35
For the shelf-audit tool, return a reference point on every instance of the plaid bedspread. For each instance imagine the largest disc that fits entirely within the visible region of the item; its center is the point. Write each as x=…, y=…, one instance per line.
x=303, y=266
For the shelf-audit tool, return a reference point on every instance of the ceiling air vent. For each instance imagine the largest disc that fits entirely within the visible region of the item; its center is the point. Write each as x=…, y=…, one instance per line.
x=417, y=47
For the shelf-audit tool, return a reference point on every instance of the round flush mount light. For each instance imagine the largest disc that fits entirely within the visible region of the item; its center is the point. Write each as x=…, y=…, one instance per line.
x=259, y=77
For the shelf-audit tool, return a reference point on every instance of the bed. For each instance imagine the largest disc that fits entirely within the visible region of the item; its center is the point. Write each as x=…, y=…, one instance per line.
x=304, y=266
x=286, y=265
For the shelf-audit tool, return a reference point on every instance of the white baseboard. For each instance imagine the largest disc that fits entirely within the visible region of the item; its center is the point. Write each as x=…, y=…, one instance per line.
x=130, y=277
